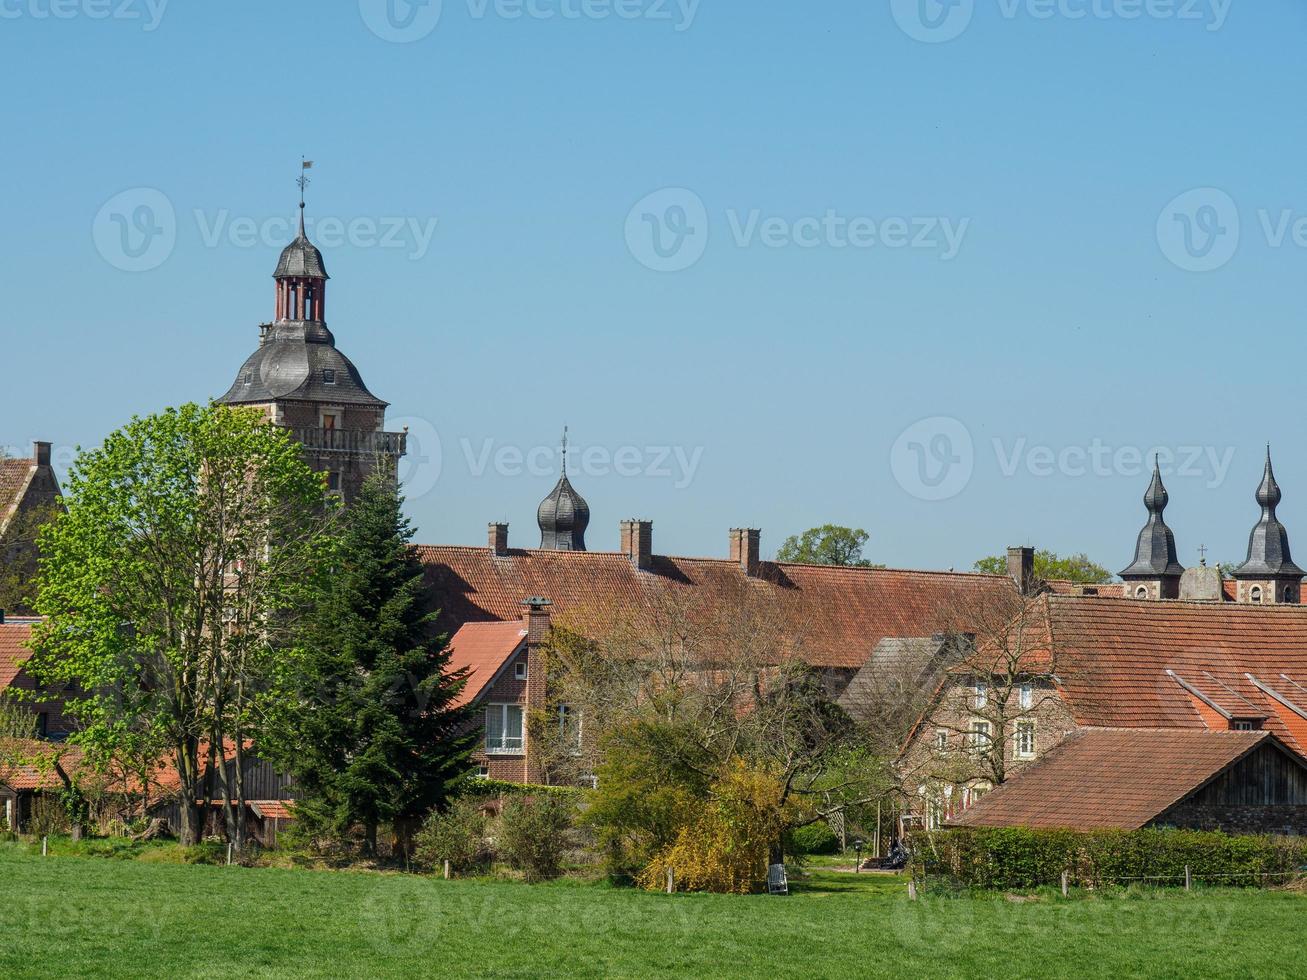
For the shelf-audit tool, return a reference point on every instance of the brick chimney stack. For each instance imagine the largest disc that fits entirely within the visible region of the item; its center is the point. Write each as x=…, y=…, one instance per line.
x=498, y=539
x=536, y=619
x=744, y=549
x=1021, y=566
x=41, y=453
x=637, y=543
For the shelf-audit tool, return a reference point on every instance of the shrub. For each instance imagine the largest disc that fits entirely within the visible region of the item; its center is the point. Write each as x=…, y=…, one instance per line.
x=815, y=838
x=725, y=842
x=478, y=788
x=457, y=836
x=1015, y=857
x=534, y=833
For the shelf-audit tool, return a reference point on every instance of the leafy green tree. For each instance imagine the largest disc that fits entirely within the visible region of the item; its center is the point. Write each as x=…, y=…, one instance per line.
x=1050, y=566
x=189, y=548
x=372, y=735
x=829, y=544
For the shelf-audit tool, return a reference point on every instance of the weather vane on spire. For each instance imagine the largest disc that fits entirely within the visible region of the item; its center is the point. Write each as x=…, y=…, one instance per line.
x=564, y=450
x=303, y=179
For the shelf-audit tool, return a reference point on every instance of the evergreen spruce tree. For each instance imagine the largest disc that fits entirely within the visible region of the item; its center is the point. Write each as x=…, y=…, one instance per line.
x=373, y=736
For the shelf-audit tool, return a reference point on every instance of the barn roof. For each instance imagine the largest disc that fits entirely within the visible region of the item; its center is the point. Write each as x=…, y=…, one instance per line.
x=1114, y=778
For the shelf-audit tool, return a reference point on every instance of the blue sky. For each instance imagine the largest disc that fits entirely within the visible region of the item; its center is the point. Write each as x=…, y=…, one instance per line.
x=947, y=273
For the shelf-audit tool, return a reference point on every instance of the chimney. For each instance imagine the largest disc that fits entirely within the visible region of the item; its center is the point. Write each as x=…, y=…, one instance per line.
x=498, y=539
x=41, y=453
x=744, y=549
x=637, y=543
x=1021, y=566
x=536, y=620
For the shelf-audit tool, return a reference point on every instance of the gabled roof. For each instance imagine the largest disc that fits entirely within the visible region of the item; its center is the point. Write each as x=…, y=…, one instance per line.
x=1126, y=663
x=483, y=649
x=836, y=615
x=1114, y=778
x=15, y=475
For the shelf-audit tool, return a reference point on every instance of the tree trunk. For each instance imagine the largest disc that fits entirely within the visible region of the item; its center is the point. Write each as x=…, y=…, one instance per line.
x=370, y=838
x=188, y=780
x=240, y=791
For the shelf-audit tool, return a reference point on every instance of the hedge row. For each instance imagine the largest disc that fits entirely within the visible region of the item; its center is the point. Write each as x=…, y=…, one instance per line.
x=492, y=788
x=1005, y=857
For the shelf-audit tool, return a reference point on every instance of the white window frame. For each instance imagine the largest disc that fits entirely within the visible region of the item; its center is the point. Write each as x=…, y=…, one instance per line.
x=982, y=694
x=1027, y=696
x=520, y=669
x=1025, y=733
x=507, y=744
x=981, y=735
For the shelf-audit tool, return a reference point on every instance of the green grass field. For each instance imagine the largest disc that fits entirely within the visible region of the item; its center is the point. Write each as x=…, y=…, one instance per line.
x=73, y=917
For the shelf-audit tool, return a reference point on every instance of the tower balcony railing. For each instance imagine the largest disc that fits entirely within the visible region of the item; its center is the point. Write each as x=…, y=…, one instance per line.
x=353, y=442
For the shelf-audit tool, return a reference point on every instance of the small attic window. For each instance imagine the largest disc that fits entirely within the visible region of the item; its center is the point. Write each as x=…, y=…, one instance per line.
x=1244, y=725
x=247, y=378
x=328, y=376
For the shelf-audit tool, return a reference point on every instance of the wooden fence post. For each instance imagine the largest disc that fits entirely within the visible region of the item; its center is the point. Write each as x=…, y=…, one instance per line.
x=1065, y=885
x=45, y=846
x=912, y=890
x=446, y=869
x=671, y=881
x=229, y=854
x=1188, y=879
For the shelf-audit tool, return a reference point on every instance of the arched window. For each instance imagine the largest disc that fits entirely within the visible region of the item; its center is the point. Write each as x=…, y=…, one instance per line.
x=1255, y=594
x=1141, y=592
x=1290, y=594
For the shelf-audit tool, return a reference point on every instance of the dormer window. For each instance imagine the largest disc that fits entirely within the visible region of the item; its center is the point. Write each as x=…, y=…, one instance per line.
x=247, y=378
x=1244, y=725
x=328, y=376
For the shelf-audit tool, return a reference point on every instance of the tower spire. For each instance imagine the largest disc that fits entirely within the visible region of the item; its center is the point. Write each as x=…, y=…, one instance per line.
x=303, y=181
x=1156, y=570
x=565, y=450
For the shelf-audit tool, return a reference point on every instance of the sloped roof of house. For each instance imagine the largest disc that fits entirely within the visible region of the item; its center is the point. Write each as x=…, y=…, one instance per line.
x=836, y=615
x=1114, y=778
x=1126, y=663
x=482, y=649
x=14, y=652
x=14, y=477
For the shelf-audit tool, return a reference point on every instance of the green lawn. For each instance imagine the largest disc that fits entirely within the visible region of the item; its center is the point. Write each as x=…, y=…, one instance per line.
x=66, y=916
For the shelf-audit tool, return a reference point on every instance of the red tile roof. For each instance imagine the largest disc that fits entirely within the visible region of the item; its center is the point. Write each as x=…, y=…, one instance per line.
x=482, y=649
x=30, y=774
x=14, y=636
x=273, y=809
x=1113, y=778
x=838, y=615
x=14, y=474
x=1127, y=663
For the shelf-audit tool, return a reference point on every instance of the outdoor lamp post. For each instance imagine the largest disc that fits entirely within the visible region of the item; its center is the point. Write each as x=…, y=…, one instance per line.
x=858, y=844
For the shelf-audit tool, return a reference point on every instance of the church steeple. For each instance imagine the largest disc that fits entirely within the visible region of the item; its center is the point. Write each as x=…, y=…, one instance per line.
x=1269, y=573
x=1156, y=570
x=564, y=515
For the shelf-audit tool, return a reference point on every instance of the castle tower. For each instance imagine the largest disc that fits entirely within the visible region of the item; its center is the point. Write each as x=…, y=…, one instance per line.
x=308, y=386
x=1269, y=574
x=1156, y=571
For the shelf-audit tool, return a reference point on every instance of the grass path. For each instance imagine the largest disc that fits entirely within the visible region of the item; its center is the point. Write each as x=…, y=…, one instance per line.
x=79, y=917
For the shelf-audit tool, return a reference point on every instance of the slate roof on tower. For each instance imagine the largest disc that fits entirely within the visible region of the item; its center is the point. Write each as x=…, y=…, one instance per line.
x=1268, y=543
x=1155, y=554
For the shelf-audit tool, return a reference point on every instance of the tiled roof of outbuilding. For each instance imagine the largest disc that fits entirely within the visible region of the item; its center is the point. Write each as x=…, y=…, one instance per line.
x=1113, y=778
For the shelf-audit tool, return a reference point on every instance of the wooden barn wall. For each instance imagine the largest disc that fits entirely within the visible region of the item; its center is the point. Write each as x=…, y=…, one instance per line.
x=1266, y=777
